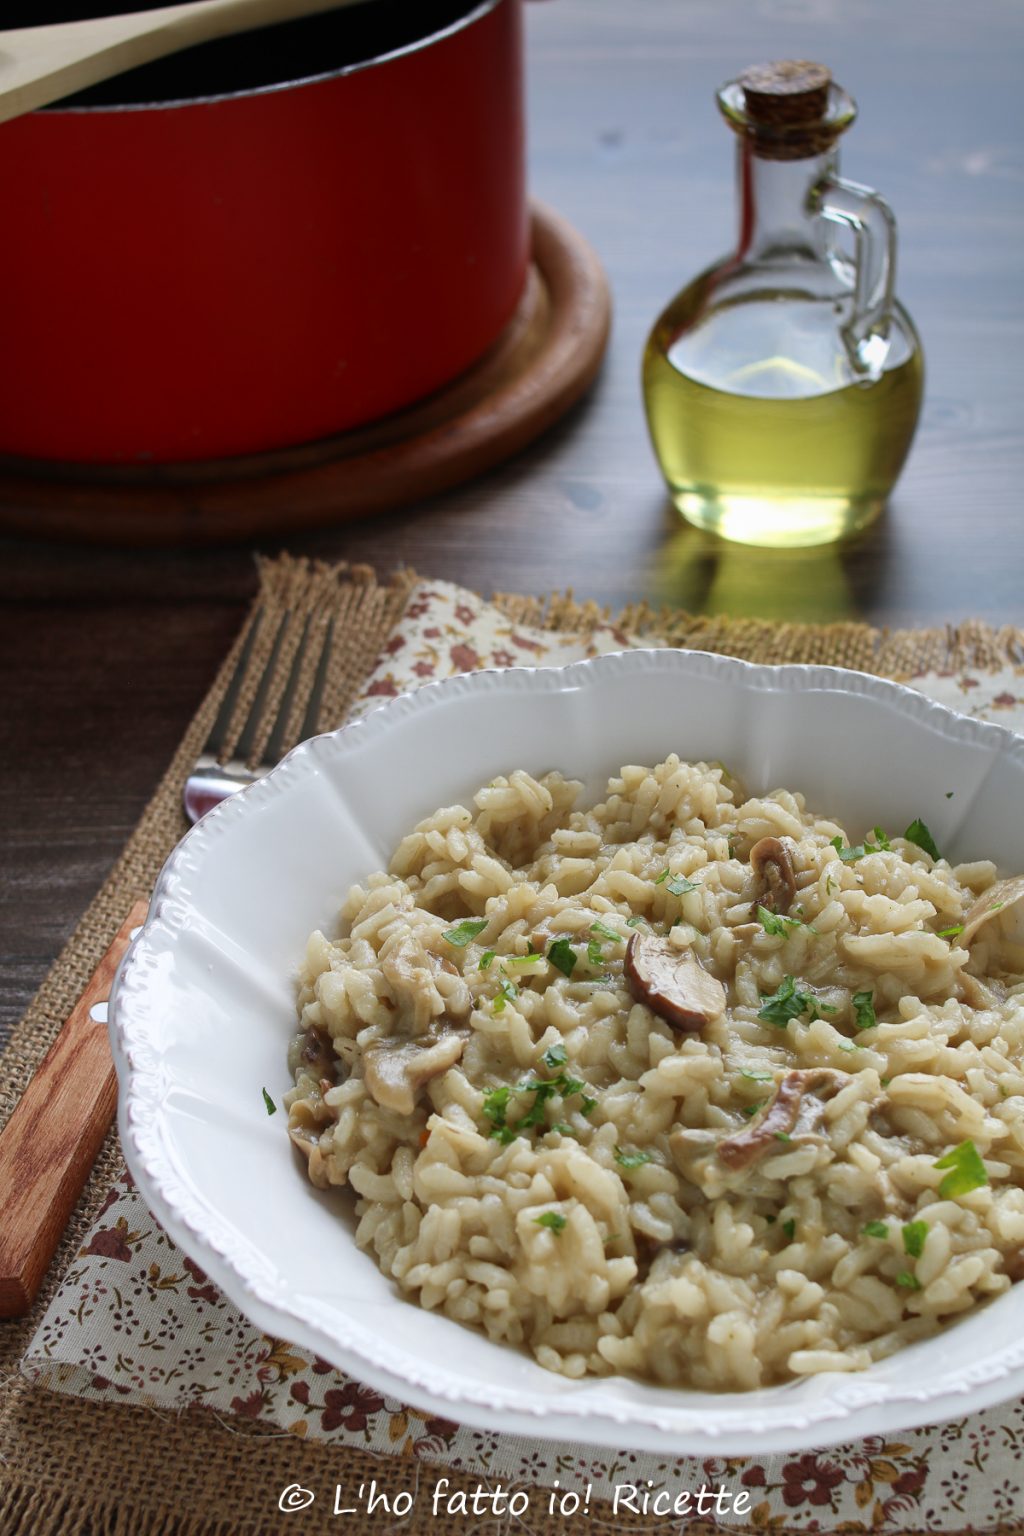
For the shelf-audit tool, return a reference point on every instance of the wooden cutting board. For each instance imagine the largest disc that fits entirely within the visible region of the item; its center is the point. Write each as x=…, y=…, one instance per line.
x=542, y=364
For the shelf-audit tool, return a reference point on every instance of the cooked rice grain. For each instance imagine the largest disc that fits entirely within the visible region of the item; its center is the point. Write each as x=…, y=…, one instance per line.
x=591, y=1220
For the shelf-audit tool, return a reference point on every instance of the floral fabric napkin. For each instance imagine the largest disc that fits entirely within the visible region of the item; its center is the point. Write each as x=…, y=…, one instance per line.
x=136, y=1321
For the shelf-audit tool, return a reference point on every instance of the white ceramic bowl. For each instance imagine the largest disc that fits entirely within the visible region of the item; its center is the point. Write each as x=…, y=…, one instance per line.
x=203, y=1010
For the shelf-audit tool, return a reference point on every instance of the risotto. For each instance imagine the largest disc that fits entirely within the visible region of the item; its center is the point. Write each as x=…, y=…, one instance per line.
x=687, y=1085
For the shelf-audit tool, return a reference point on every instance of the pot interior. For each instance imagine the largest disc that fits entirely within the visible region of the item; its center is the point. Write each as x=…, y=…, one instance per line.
x=293, y=50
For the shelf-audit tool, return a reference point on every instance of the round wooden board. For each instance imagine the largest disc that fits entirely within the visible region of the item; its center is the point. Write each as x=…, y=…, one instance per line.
x=543, y=362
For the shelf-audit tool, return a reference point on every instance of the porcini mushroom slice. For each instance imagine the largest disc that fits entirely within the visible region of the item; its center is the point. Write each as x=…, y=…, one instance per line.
x=317, y=1054
x=394, y=1073
x=308, y=1143
x=675, y=986
x=1013, y=1263
x=771, y=863
x=1005, y=893
x=785, y=1114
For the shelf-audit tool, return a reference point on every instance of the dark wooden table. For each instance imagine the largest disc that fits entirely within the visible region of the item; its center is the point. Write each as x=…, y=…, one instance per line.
x=104, y=655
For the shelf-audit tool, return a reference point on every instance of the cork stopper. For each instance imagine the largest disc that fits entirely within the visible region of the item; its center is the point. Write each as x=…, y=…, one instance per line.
x=788, y=109
x=787, y=91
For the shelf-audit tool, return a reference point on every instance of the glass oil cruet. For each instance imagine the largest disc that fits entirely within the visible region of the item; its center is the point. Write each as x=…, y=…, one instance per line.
x=783, y=385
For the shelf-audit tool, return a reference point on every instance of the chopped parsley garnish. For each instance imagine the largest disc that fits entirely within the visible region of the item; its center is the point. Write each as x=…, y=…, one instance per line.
x=885, y=1081
x=997, y=906
x=757, y=1077
x=679, y=885
x=918, y=833
x=789, y=1227
x=595, y=954
x=486, y=960
x=830, y=885
x=750, y=1110
x=663, y=876
x=789, y=1003
x=496, y=1102
x=908, y=1281
x=631, y=1159
x=949, y=794
x=875, y=1229
x=951, y=932
x=550, y=1219
x=771, y=1220
x=966, y=1171
x=778, y=926
x=468, y=929
x=496, y=1108
x=782, y=1136
x=607, y=933
x=562, y=1129
x=914, y=1234
x=533, y=958
x=554, y=1057
x=562, y=955
x=268, y=1101
x=850, y=855
x=542, y=1090
x=864, y=1010
x=634, y=922
x=507, y=993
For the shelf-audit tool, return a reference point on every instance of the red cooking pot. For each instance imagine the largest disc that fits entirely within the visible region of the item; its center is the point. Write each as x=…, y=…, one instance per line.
x=263, y=240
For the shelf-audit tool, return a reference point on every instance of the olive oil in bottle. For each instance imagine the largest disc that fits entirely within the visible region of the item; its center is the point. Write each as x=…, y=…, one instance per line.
x=783, y=385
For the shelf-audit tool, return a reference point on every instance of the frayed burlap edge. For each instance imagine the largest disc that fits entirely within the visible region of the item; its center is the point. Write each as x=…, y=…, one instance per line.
x=897, y=653
x=219, y=1475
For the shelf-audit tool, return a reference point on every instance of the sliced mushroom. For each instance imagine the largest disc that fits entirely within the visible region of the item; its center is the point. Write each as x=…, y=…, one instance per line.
x=317, y=1054
x=773, y=867
x=1013, y=1263
x=394, y=1072
x=785, y=1114
x=1005, y=893
x=650, y=1248
x=976, y=993
x=308, y=1143
x=675, y=986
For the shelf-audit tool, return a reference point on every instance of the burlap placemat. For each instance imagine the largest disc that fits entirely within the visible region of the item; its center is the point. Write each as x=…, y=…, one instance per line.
x=82, y=1467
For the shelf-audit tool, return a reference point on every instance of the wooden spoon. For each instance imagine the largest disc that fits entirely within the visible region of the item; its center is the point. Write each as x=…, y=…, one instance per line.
x=41, y=64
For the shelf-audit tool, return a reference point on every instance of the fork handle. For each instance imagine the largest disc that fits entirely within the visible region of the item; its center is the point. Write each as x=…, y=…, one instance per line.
x=51, y=1140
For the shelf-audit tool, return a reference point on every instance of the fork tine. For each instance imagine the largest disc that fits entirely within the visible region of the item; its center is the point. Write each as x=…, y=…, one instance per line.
x=218, y=730
x=244, y=745
x=272, y=752
x=312, y=716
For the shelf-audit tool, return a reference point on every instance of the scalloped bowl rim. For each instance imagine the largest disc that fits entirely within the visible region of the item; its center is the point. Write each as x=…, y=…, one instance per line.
x=642, y=1417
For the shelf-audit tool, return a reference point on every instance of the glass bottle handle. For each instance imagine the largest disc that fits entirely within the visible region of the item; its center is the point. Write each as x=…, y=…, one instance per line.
x=857, y=208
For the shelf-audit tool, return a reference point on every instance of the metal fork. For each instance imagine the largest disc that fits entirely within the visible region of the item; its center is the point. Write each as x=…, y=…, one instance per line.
x=212, y=781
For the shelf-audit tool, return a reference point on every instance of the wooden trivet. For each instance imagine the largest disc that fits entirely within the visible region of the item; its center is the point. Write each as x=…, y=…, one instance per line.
x=541, y=365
